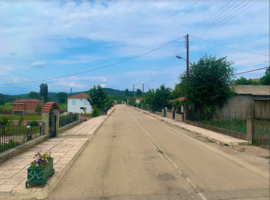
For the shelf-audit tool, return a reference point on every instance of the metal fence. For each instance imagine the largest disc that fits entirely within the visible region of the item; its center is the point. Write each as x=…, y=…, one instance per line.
x=17, y=135
x=67, y=119
x=261, y=133
x=229, y=123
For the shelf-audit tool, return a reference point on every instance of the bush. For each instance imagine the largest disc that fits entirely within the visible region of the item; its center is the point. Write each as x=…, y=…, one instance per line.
x=82, y=118
x=32, y=123
x=96, y=112
x=38, y=108
x=4, y=120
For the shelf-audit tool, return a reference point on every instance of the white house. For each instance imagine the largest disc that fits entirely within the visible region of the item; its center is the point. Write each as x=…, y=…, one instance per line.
x=78, y=102
x=139, y=99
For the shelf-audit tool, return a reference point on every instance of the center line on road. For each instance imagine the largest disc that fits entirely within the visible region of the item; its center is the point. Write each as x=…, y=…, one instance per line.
x=168, y=158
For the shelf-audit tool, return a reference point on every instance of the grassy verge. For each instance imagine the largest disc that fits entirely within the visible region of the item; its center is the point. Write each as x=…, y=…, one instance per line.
x=26, y=117
x=7, y=106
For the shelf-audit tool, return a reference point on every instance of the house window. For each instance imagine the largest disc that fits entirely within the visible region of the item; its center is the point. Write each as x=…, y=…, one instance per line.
x=73, y=102
x=21, y=105
x=85, y=102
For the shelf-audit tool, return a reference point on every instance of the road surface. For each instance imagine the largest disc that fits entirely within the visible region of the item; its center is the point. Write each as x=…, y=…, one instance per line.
x=135, y=156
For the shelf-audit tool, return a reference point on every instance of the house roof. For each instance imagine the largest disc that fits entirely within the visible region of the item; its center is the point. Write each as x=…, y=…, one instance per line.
x=28, y=101
x=179, y=99
x=252, y=89
x=255, y=79
x=79, y=96
x=141, y=98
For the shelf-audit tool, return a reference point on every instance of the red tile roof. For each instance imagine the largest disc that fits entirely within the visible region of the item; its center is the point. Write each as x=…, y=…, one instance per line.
x=78, y=96
x=179, y=99
x=28, y=101
x=46, y=108
x=255, y=79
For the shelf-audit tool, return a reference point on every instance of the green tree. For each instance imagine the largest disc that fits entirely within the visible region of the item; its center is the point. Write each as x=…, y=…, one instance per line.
x=158, y=99
x=33, y=95
x=44, y=92
x=62, y=97
x=265, y=80
x=2, y=99
x=38, y=108
x=209, y=83
x=176, y=92
x=127, y=92
x=244, y=81
x=110, y=101
x=98, y=97
x=139, y=93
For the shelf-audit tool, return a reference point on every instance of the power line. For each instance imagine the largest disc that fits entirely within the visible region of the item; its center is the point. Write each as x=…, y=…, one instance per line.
x=204, y=34
x=213, y=16
x=230, y=47
x=216, y=19
x=98, y=67
x=251, y=70
x=17, y=74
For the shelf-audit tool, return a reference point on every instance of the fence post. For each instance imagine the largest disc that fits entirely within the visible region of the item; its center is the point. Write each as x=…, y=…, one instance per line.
x=162, y=113
x=249, y=129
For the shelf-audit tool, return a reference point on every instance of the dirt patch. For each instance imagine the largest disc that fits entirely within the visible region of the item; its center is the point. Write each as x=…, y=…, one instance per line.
x=166, y=177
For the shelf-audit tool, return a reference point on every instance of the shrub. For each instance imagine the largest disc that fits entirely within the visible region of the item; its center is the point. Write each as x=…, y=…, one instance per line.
x=82, y=118
x=96, y=112
x=33, y=123
x=4, y=120
x=38, y=108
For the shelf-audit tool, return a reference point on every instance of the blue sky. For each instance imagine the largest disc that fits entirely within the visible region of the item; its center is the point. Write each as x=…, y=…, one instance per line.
x=47, y=39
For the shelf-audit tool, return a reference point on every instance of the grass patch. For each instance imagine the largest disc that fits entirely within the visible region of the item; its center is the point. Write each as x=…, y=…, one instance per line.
x=26, y=117
x=233, y=125
x=62, y=105
x=7, y=106
x=211, y=141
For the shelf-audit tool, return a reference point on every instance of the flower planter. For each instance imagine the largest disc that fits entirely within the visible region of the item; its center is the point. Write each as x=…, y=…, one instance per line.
x=39, y=175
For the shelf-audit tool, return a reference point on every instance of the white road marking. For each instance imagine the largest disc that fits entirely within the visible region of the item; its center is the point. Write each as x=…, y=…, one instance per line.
x=168, y=158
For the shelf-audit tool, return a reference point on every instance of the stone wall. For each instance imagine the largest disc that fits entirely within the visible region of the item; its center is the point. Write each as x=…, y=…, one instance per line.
x=235, y=134
x=21, y=148
x=169, y=115
x=178, y=117
x=69, y=126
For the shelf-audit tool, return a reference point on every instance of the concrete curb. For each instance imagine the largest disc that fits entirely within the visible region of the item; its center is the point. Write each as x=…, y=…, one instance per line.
x=232, y=144
x=41, y=193
x=94, y=133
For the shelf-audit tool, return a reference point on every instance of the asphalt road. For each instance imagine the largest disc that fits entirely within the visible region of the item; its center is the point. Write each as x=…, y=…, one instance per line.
x=135, y=156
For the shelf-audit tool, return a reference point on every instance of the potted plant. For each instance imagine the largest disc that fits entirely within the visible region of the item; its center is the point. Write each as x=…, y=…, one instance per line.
x=40, y=169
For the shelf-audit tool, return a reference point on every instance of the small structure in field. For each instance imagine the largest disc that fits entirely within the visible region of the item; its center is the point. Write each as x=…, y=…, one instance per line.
x=26, y=106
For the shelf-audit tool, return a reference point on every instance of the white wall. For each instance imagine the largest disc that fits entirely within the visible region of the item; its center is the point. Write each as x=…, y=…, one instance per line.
x=79, y=103
x=137, y=100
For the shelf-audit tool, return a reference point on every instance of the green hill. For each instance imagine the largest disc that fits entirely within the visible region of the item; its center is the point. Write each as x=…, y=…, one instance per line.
x=52, y=95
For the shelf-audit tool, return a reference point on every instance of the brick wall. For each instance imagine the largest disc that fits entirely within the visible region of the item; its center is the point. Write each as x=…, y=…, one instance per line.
x=18, y=106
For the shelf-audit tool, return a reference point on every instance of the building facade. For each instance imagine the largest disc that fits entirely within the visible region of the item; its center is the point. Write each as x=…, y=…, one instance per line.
x=78, y=102
x=26, y=106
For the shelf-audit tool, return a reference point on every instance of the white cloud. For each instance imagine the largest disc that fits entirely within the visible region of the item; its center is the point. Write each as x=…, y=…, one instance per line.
x=104, y=80
x=77, y=59
x=103, y=85
x=40, y=64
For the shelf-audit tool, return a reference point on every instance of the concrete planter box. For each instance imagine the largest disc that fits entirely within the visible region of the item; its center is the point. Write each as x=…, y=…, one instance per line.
x=39, y=175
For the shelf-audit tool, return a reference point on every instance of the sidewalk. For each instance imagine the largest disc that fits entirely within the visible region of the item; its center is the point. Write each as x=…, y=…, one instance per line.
x=64, y=150
x=217, y=137
x=87, y=128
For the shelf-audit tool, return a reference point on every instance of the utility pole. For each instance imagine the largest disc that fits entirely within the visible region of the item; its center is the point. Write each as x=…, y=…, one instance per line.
x=70, y=91
x=187, y=57
x=187, y=39
x=133, y=91
x=142, y=89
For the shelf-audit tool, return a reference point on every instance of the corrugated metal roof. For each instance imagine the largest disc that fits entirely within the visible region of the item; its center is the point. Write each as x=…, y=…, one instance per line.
x=252, y=89
x=78, y=96
x=28, y=101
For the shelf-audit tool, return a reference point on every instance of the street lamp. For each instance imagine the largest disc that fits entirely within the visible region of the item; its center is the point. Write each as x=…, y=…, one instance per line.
x=179, y=57
x=28, y=127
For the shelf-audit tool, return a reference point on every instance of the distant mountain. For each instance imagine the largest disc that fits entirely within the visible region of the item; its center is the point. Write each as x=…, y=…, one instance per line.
x=52, y=95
